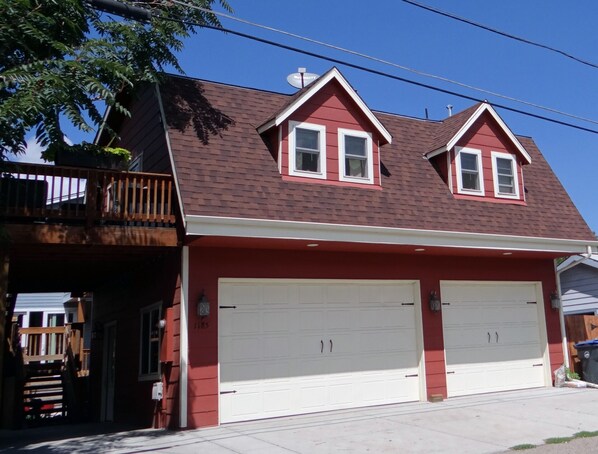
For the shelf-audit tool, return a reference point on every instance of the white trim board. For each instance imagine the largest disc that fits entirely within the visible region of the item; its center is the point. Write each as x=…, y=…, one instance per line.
x=312, y=89
x=267, y=228
x=484, y=107
x=184, y=338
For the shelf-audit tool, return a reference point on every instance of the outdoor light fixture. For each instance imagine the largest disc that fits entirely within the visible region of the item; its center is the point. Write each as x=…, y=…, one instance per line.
x=555, y=301
x=203, y=306
x=434, y=301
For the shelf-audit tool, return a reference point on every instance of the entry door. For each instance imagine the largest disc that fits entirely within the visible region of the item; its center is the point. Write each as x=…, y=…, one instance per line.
x=292, y=347
x=109, y=371
x=494, y=336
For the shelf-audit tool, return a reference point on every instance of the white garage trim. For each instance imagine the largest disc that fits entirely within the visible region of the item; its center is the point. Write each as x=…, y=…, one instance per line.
x=184, y=337
x=320, y=296
x=523, y=333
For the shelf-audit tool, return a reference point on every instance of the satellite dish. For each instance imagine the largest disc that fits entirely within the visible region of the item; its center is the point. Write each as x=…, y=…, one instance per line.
x=301, y=78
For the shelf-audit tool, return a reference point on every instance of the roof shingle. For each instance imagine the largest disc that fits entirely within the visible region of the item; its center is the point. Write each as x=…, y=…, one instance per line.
x=233, y=174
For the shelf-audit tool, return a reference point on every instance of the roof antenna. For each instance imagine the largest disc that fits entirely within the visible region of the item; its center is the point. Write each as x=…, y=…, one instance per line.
x=449, y=107
x=301, y=78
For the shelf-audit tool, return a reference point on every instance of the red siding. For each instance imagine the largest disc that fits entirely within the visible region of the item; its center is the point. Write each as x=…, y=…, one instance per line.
x=143, y=132
x=332, y=108
x=207, y=265
x=487, y=136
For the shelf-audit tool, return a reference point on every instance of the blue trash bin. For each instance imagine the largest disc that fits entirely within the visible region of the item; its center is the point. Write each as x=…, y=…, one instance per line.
x=587, y=352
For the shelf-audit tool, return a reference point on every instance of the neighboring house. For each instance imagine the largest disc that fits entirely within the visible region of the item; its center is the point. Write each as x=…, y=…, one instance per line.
x=331, y=257
x=579, y=285
x=45, y=310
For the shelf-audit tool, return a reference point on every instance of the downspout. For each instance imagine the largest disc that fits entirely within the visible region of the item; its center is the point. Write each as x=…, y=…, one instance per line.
x=587, y=255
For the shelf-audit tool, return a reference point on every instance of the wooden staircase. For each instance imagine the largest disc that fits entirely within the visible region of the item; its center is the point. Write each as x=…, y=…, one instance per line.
x=43, y=393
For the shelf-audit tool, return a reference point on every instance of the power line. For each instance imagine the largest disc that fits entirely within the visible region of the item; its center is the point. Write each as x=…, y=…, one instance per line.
x=387, y=75
x=386, y=62
x=499, y=32
x=377, y=72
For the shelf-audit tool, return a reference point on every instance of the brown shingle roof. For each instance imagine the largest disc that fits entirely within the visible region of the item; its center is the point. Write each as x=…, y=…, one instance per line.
x=234, y=175
x=450, y=126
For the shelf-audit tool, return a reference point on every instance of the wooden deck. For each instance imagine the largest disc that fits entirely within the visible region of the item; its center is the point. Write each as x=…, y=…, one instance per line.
x=76, y=227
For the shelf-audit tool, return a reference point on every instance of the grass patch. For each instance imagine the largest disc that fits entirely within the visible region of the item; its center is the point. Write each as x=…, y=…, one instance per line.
x=558, y=440
x=586, y=434
x=522, y=447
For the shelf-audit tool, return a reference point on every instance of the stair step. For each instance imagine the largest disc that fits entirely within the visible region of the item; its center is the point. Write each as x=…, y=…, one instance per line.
x=43, y=401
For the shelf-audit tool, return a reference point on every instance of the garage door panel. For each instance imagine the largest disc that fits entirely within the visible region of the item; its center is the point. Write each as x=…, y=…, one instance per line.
x=286, y=357
x=492, y=337
x=341, y=319
x=309, y=320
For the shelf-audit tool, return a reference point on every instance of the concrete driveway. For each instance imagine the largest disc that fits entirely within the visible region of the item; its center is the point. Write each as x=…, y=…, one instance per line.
x=480, y=424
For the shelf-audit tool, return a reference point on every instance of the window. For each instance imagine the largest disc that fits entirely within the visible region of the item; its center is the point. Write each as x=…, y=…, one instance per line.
x=149, y=358
x=470, y=175
x=355, y=156
x=307, y=150
x=504, y=167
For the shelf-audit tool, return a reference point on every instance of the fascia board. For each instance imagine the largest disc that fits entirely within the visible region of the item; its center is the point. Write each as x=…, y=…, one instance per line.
x=292, y=230
x=436, y=152
x=313, y=89
x=479, y=111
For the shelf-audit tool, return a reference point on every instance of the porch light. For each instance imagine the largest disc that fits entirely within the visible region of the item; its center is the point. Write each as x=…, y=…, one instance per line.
x=203, y=306
x=555, y=301
x=434, y=301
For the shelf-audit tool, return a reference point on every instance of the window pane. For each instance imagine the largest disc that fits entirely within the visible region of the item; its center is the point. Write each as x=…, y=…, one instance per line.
x=306, y=138
x=355, y=146
x=470, y=181
x=308, y=162
x=154, y=357
x=504, y=170
x=355, y=167
x=469, y=161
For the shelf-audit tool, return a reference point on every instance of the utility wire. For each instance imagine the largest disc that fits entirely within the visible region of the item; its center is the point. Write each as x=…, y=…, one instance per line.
x=499, y=32
x=385, y=62
x=383, y=74
x=376, y=72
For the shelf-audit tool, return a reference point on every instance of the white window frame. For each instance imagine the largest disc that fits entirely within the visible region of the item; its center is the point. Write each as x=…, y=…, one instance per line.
x=497, y=193
x=369, y=155
x=460, y=189
x=292, y=152
x=144, y=310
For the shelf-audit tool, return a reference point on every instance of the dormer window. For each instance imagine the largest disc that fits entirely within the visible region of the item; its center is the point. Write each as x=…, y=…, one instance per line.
x=470, y=175
x=307, y=150
x=355, y=156
x=505, y=176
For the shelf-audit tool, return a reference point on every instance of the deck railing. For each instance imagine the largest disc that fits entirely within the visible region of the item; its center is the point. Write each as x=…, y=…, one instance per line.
x=43, y=344
x=92, y=196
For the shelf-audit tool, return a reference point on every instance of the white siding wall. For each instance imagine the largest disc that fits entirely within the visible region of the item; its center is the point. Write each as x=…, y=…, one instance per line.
x=579, y=287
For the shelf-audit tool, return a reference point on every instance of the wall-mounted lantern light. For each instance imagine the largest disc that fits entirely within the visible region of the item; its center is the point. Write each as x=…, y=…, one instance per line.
x=434, y=301
x=555, y=301
x=203, y=305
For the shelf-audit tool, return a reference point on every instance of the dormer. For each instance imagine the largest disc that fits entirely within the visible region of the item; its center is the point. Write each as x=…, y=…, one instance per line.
x=326, y=133
x=479, y=157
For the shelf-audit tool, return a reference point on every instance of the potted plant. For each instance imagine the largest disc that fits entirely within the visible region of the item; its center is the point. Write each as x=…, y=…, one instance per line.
x=88, y=155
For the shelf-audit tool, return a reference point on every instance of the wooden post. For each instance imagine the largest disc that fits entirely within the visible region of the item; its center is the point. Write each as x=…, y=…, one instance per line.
x=3, y=310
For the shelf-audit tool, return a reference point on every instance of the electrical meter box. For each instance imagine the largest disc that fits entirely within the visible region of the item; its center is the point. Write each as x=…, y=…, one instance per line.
x=157, y=391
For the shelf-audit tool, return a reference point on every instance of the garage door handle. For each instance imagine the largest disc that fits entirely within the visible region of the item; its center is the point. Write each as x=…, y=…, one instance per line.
x=496, y=332
x=331, y=344
x=321, y=346
x=488, y=336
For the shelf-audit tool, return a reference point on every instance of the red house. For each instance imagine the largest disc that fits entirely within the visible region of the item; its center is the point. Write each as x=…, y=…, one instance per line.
x=333, y=257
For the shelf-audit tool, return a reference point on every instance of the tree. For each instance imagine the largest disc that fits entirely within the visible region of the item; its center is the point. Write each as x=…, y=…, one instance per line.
x=60, y=58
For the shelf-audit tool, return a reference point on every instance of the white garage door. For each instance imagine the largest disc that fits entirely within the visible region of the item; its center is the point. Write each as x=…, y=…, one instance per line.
x=291, y=347
x=494, y=337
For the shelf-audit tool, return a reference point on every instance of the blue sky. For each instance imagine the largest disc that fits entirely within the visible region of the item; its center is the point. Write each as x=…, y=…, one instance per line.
x=410, y=36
